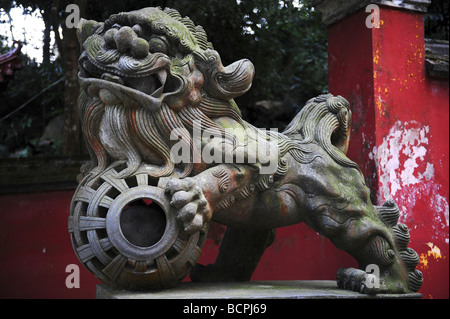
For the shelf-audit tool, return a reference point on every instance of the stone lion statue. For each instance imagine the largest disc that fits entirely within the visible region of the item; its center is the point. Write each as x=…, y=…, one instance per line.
x=170, y=151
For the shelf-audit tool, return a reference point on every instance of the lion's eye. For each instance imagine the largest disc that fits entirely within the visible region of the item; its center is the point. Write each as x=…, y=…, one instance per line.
x=158, y=44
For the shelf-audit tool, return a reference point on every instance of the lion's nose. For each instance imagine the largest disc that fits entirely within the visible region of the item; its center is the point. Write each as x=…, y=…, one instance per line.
x=127, y=42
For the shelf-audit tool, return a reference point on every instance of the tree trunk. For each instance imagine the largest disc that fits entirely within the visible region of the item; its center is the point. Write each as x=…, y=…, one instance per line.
x=46, y=16
x=72, y=143
x=69, y=51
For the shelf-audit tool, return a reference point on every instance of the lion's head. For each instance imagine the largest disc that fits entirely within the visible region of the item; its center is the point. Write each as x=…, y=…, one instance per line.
x=144, y=74
x=150, y=75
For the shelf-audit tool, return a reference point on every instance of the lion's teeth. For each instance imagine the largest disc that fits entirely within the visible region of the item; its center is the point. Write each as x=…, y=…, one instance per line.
x=162, y=76
x=112, y=78
x=158, y=92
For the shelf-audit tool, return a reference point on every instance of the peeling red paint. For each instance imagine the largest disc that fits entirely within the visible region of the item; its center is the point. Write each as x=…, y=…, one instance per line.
x=403, y=125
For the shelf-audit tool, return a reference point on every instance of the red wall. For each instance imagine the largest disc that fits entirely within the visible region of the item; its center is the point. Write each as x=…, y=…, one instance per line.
x=400, y=118
x=36, y=249
x=298, y=253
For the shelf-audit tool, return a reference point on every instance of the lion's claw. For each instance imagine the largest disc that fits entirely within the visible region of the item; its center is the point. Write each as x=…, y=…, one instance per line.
x=356, y=280
x=187, y=197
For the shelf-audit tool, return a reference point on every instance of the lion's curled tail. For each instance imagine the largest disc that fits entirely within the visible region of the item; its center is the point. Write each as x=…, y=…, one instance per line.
x=324, y=120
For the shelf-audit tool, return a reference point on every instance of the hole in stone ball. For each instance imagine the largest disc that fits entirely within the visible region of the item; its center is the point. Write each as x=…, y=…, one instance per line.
x=143, y=223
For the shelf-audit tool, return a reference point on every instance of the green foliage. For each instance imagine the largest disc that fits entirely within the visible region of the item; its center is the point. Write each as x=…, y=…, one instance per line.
x=437, y=20
x=20, y=133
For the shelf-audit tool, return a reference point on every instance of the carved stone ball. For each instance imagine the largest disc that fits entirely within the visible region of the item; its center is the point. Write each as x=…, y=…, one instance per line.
x=140, y=48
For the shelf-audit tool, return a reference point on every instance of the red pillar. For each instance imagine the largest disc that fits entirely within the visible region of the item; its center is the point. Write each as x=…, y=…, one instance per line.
x=400, y=133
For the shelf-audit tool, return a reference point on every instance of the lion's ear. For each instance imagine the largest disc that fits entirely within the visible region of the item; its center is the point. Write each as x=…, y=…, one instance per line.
x=226, y=82
x=235, y=79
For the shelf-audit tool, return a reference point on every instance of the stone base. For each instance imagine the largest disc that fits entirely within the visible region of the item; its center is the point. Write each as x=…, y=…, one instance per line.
x=297, y=289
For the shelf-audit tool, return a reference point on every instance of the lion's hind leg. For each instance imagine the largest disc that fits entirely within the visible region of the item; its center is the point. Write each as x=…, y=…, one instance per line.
x=239, y=254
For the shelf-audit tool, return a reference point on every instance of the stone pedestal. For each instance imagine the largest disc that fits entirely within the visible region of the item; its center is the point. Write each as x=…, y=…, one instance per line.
x=298, y=289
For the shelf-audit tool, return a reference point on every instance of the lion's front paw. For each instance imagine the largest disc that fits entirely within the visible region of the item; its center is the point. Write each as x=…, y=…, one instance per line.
x=356, y=280
x=362, y=282
x=187, y=197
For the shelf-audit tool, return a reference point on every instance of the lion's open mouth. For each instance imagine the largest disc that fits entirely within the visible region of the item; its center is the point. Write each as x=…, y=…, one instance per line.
x=119, y=61
x=153, y=86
